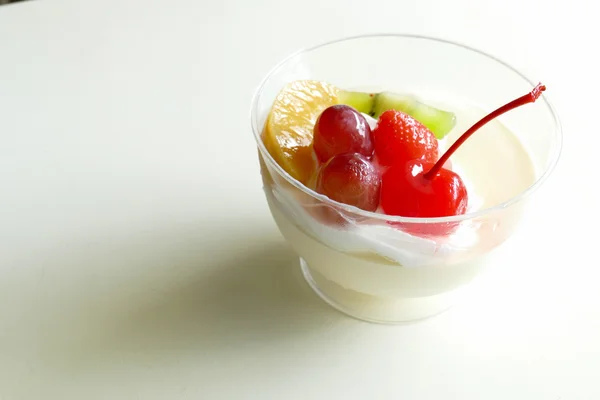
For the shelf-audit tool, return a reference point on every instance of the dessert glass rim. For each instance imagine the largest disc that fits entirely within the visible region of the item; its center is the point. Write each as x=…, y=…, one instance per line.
x=553, y=160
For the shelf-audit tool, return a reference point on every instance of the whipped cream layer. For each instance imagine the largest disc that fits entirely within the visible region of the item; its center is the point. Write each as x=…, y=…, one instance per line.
x=381, y=239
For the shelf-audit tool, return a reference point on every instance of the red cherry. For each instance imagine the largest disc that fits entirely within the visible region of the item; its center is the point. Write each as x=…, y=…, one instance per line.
x=406, y=192
x=399, y=138
x=341, y=129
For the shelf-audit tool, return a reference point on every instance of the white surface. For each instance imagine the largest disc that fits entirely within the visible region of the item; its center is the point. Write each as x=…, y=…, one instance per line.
x=138, y=259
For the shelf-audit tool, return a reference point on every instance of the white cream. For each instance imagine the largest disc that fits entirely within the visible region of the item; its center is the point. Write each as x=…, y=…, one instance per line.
x=382, y=239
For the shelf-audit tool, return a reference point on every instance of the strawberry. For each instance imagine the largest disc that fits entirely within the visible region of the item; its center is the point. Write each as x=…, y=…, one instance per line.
x=399, y=138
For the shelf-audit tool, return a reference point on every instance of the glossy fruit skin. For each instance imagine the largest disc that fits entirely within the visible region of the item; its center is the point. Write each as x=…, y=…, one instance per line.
x=406, y=192
x=341, y=129
x=350, y=179
x=399, y=138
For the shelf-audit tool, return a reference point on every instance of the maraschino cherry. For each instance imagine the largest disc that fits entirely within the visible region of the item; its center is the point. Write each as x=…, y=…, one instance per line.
x=425, y=190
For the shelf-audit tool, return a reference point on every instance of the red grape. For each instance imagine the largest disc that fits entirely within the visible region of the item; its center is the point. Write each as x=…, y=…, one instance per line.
x=350, y=179
x=341, y=129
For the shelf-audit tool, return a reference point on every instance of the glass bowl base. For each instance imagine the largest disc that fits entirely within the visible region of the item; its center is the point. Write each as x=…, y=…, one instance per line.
x=374, y=309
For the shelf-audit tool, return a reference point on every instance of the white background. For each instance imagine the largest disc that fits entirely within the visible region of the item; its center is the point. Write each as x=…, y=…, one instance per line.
x=138, y=259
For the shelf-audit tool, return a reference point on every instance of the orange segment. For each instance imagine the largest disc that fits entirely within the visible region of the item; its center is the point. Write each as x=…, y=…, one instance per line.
x=288, y=132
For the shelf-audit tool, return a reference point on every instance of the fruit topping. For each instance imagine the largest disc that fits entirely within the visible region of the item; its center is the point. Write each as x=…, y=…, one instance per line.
x=308, y=127
x=351, y=179
x=362, y=102
x=341, y=129
x=288, y=131
x=399, y=138
x=438, y=121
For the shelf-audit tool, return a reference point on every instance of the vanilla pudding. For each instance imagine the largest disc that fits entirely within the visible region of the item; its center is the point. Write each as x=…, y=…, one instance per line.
x=378, y=272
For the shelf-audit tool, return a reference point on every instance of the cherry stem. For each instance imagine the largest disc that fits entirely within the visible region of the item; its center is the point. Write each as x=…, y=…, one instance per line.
x=528, y=98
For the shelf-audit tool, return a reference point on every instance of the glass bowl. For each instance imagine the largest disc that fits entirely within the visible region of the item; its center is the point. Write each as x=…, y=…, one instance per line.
x=366, y=264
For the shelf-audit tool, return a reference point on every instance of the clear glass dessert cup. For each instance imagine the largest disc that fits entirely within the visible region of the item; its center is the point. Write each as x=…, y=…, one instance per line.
x=335, y=242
